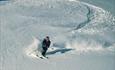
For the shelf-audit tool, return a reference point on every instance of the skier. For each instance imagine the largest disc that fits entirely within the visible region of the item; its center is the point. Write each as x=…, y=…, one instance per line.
x=45, y=45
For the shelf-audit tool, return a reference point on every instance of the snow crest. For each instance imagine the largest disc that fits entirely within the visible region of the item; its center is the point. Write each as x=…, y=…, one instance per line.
x=34, y=49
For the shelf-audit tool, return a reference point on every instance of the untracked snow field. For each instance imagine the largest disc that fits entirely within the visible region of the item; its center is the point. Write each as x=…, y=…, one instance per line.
x=82, y=34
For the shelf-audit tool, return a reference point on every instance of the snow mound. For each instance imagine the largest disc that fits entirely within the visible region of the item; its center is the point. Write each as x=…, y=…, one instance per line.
x=34, y=48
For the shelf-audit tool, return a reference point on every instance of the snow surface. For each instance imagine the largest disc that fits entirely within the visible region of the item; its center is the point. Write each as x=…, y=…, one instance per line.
x=82, y=35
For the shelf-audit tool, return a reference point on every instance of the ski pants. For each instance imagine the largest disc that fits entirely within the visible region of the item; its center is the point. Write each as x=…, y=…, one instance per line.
x=44, y=51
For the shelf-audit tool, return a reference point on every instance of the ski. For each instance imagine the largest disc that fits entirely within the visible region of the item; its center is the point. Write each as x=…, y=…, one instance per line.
x=42, y=57
x=46, y=57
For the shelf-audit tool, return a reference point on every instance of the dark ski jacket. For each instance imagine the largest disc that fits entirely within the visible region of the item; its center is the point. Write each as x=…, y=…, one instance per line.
x=46, y=43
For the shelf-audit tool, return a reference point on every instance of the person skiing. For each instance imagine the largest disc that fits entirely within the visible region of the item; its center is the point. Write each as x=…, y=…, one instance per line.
x=45, y=45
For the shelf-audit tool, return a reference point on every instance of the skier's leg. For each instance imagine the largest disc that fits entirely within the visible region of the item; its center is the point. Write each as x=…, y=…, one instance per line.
x=44, y=52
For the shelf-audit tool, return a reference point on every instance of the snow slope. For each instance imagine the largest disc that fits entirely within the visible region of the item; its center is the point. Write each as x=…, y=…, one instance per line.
x=76, y=28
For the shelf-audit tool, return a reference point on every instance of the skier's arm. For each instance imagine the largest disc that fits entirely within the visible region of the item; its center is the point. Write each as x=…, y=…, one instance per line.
x=43, y=42
x=49, y=44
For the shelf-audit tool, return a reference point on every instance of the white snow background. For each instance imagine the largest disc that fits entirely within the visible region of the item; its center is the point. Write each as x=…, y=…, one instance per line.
x=82, y=35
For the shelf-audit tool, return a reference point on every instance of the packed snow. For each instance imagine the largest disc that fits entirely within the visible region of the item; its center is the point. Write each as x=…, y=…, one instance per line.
x=80, y=34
